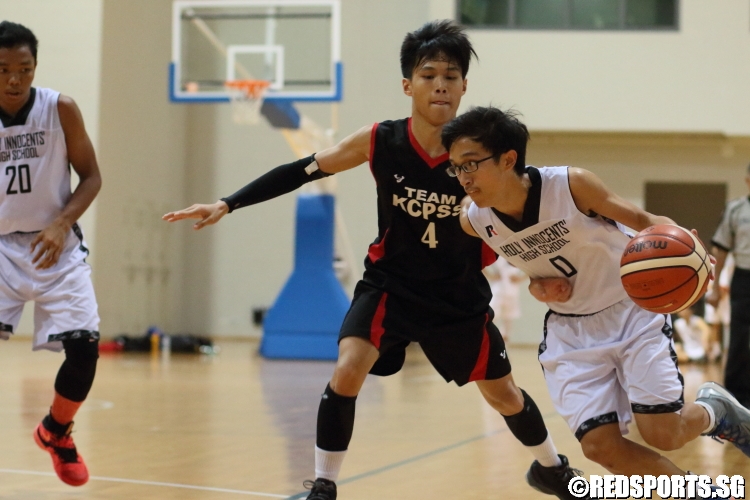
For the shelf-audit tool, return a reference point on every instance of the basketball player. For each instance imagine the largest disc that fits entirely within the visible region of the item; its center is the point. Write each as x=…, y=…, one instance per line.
x=605, y=359
x=41, y=245
x=423, y=280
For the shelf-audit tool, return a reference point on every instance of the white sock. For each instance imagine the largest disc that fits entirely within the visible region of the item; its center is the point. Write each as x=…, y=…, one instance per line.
x=546, y=453
x=328, y=464
x=711, y=416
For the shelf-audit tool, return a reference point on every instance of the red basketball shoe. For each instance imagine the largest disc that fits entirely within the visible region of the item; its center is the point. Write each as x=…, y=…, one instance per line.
x=55, y=439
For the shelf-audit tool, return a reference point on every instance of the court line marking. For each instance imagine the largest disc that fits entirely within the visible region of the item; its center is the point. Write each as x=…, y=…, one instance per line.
x=417, y=458
x=297, y=496
x=151, y=483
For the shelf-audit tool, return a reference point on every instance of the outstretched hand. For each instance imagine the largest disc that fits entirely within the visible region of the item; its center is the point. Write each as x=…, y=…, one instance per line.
x=550, y=289
x=207, y=214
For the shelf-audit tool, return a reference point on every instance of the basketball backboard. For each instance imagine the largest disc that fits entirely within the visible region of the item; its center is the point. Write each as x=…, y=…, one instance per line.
x=294, y=44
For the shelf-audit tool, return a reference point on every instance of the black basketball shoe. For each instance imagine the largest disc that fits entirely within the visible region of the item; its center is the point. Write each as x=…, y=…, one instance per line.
x=553, y=480
x=321, y=489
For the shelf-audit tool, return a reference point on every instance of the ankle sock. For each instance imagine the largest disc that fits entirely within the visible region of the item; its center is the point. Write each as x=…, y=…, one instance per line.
x=711, y=416
x=546, y=453
x=328, y=464
x=63, y=409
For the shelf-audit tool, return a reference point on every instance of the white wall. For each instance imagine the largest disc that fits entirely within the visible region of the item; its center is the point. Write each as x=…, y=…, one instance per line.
x=695, y=79
x=69, y=57
x=142, y=155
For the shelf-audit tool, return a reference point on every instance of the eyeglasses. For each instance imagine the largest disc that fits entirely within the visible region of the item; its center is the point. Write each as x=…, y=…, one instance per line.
x=468, y=167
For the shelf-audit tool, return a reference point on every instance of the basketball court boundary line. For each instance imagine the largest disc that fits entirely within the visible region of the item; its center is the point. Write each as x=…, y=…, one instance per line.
x=152, y=483
x=417, y=458
x=296, y=496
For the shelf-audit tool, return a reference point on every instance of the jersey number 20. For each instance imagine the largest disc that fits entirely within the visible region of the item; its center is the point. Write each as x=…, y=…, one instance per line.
x=20, y=174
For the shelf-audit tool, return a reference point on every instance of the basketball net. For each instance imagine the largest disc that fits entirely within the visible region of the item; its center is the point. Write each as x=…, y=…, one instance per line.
x=246, y=97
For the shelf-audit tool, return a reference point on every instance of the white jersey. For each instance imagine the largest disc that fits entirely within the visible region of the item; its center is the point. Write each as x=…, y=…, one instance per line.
x=556, y=240
x=34, y=168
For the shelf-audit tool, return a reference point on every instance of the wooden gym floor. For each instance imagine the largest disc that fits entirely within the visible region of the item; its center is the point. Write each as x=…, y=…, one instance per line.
x=235, y=426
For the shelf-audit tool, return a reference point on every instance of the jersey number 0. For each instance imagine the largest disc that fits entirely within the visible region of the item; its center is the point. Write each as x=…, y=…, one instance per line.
x=19, y=176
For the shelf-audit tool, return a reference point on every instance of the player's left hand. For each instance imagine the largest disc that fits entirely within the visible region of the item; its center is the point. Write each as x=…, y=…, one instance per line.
x=711, y=257
x=550, y=289
x=49, y=244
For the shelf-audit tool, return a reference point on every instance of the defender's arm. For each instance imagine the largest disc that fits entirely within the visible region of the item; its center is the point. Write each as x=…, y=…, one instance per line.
x=350, y=152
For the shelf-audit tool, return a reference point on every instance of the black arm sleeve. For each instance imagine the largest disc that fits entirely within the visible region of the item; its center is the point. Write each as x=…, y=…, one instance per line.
x=280, y=180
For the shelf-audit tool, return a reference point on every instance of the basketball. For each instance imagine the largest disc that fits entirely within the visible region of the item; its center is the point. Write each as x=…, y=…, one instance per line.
x=665, y=269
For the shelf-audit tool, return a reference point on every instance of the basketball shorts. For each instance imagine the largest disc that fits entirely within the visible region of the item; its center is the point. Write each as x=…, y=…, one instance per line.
x=63, y=295
x=603, y=367
x=461, y=349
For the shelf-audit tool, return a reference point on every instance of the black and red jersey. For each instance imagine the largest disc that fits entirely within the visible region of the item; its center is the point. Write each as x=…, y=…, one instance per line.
x=421, y=252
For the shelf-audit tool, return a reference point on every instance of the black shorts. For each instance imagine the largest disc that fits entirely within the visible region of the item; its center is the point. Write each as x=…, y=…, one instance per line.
x=461, y=349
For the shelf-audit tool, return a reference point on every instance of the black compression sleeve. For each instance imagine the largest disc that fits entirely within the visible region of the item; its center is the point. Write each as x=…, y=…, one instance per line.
x=280, y=180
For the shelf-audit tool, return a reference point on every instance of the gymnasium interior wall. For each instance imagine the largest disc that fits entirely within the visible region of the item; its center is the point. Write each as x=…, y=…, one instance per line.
x=631, y=106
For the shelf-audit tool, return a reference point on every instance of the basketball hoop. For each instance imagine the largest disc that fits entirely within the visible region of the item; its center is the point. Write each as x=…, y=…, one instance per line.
x=247, y=98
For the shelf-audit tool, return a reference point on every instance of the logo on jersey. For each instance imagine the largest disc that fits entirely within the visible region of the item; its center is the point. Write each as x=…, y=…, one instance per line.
x=21, y=146
x=503, y=354
x=490, y=231
x=548, y=240
x=421, y=203
x=399, y=178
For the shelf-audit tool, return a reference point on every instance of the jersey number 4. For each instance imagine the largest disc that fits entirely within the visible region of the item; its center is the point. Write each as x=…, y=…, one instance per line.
x=20, y=179
x=429, y=236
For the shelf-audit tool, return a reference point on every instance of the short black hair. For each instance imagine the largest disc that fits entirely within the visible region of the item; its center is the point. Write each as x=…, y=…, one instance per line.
x=497, y=131
x=433, y=41
x=14, y=35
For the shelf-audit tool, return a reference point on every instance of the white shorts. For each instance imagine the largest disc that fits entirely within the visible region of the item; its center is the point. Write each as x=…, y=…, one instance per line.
x=65, y=305
x=601, y=368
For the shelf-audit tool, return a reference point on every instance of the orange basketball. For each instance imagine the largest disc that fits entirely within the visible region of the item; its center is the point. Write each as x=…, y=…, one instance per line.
x=665, y=269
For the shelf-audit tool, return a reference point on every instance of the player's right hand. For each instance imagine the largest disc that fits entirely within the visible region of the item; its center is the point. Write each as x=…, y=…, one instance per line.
x=550, y=289
x=207, y=214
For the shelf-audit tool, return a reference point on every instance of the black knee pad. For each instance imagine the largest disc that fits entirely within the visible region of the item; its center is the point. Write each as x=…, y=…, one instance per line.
x=528, y=424
x=76, y=375
x=335, y=421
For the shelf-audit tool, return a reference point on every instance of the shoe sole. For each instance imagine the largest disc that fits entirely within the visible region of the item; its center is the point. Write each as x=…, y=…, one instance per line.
x=706, y=389
x=40, y=443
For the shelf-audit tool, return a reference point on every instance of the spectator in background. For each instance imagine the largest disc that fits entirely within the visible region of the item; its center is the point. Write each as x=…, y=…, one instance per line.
x=505, y=281
x=733, y=235
x=693, y=337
